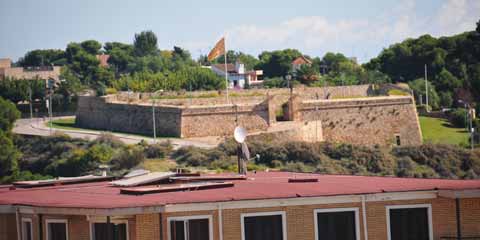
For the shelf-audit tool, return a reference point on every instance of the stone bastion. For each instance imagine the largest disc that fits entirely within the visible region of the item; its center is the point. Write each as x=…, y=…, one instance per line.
x=350, y=114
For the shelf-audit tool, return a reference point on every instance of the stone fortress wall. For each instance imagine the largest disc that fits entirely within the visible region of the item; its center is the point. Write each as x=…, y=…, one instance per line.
x=350, y=114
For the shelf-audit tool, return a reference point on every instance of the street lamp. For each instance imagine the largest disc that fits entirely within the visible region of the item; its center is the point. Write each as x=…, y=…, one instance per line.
x=469, y=123
x=154, y=95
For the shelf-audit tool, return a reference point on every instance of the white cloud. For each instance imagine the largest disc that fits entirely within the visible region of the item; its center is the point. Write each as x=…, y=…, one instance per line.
x=364, y=38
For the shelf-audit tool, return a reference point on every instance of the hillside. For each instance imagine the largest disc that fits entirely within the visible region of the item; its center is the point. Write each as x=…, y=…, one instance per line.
x=64, y=156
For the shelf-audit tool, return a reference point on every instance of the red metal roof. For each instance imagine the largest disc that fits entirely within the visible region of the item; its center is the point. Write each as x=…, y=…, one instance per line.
x=262, y=185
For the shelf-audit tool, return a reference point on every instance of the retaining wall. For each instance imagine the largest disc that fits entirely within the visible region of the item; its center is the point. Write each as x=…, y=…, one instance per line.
x=366, y=121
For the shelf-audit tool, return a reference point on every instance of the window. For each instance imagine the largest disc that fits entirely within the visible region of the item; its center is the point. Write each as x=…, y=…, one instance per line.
x=338, y=223
x=27, y=229
x=264, y=226
x=190, y=228
x=410, y=222
x=398, y=140
x=118, y=231
x=57, y=229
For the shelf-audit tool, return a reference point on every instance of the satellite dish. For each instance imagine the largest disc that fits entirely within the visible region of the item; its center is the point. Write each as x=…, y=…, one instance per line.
x=240, y=134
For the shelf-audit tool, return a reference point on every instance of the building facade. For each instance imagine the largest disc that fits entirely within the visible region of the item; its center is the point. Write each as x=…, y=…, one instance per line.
x=19, y=73
x=237, y=75
x=262, y=206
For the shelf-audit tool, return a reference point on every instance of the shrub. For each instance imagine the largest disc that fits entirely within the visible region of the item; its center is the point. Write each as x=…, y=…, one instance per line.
x=159, y=150
x=458, y=117
x=128, y=157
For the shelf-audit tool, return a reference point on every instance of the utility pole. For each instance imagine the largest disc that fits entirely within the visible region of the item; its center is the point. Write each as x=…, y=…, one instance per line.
x=153, y=120
x=30, y=100
x=426, y=88
x=50, y=86
x=472, y=130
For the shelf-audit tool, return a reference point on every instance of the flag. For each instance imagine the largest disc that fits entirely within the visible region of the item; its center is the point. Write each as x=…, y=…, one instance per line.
x=218, y=50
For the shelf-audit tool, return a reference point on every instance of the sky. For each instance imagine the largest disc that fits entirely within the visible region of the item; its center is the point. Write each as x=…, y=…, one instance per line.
x=356, y=28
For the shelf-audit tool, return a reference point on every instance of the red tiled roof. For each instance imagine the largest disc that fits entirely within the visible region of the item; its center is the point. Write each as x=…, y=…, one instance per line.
x=103, y=58
x=301, y=60
x=262, y=185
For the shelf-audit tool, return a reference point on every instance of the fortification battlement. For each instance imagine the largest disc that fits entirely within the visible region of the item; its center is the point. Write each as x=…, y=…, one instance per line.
x=361, y=119
x=250, y=96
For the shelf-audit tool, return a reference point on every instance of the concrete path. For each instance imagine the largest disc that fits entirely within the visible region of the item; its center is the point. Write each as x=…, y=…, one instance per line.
x=38, y=127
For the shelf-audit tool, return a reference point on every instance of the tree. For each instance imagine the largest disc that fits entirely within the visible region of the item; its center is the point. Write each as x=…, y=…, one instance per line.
x=8, y=115
x=8, y=155
x=91, y=46
x=145, y=43
x=277, y=63
x=43, y=57
x=446, y=80
x=8, y=152
x=478, y=26
x=307, y=74
x=418, y=87
x=446, y=99
x=121, y=55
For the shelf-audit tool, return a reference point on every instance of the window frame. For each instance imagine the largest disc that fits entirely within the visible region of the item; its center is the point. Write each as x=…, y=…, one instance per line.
x=24, y=220
x=92, y=226
x=260, y=214
x=194, y=217
x=332, y=210
x=410, y=206
x=56, y=220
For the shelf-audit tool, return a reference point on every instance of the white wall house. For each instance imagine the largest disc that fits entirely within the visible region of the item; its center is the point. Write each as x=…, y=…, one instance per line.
x=237, y=75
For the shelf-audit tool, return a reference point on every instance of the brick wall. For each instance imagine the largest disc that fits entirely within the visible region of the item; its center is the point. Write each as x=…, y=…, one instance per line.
x=147, y=227
x=300, y=219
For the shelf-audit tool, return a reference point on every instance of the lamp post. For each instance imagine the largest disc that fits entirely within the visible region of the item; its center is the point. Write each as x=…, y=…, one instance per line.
x=30, y=100
x=154, y=95
x=469, y=122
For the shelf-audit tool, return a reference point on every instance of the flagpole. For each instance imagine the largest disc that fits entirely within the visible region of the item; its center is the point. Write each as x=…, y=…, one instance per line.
x=226, y=69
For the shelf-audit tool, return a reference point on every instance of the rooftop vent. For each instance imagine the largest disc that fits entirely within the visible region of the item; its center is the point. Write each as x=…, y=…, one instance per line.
x=176, y=188
x=302, y=180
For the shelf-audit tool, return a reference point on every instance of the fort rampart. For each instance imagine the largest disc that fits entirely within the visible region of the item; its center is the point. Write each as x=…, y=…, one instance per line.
x=350, y=114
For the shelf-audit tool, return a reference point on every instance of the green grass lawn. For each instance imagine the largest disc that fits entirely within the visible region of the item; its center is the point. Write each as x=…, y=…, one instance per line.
x=64, y=123
x=438, y=130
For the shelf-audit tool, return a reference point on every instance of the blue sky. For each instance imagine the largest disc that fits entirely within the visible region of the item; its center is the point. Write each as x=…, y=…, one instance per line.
x=355, y=28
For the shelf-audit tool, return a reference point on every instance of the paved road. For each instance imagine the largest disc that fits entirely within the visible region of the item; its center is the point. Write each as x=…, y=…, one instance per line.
x=37, y=126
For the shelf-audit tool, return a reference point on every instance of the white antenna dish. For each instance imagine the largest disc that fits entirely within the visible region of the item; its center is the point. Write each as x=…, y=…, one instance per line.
x=240, y=134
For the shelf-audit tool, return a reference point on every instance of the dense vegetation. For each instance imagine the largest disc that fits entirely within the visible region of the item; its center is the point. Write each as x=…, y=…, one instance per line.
x=63, y=156
x=453, y=65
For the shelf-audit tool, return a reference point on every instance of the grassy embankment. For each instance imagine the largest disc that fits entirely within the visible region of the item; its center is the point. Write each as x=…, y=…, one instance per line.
x=438, y=130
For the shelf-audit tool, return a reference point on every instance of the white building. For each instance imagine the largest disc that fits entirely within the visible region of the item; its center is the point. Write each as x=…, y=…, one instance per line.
x=237, y=75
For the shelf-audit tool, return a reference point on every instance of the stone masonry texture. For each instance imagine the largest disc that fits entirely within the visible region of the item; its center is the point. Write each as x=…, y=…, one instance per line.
x=359, y=120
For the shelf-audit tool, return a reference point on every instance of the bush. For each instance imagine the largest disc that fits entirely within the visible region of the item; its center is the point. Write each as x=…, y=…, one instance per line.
x=458, y=117
x=128, y=157
x=159, y=150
